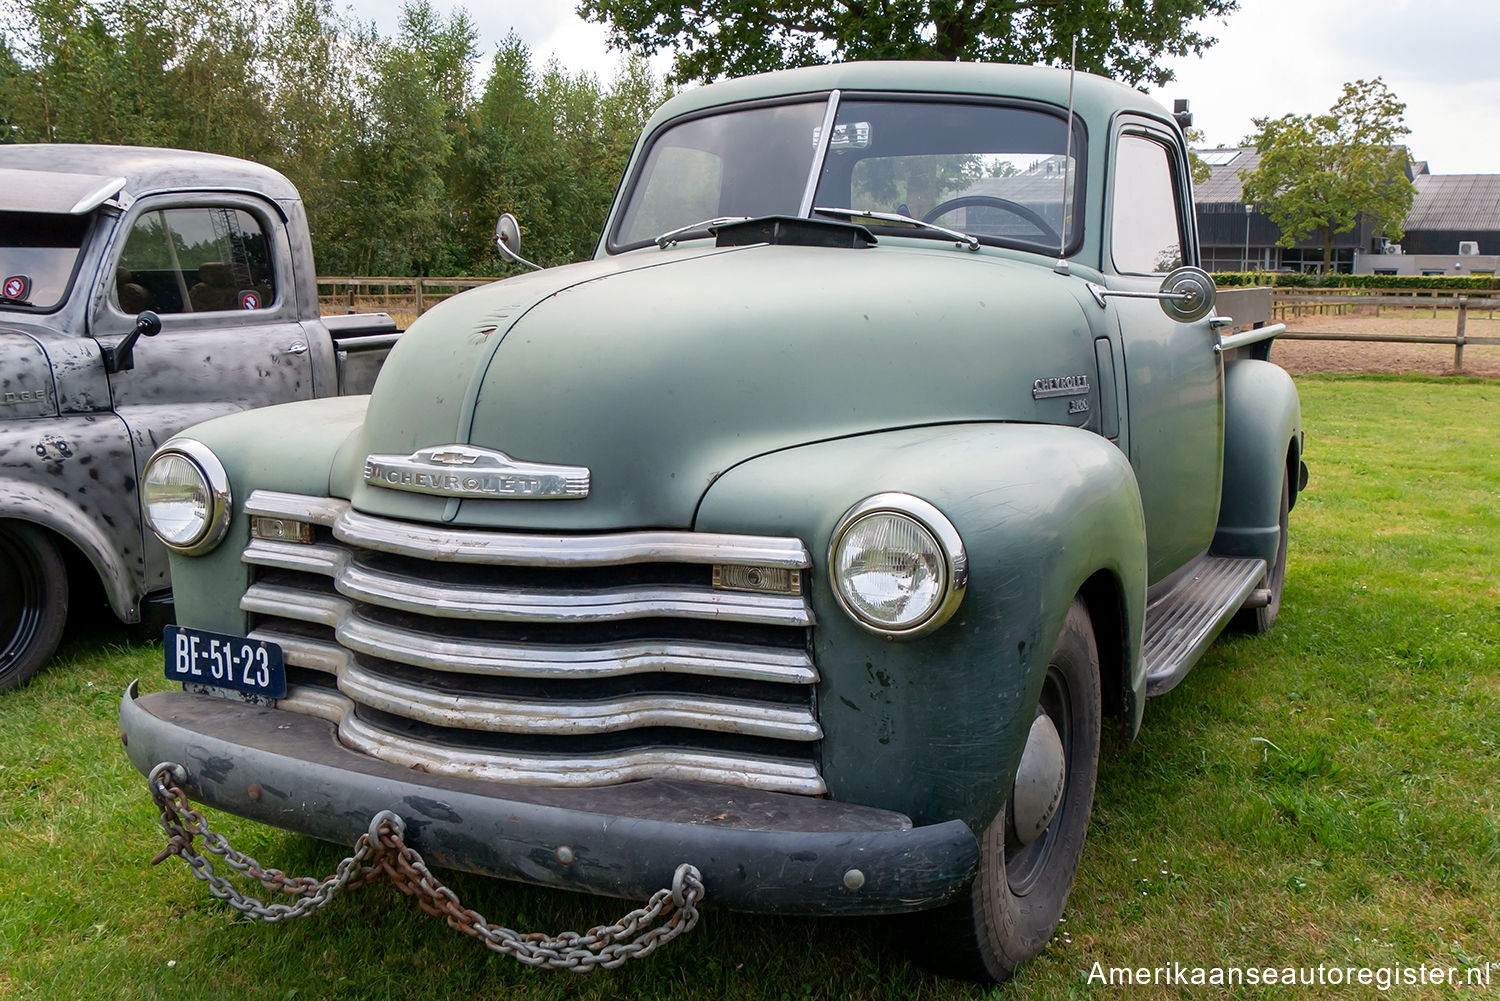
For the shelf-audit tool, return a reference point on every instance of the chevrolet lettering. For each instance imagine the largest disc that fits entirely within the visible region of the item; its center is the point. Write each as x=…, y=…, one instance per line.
x=1067, y=385
x=839, y=613
x=487, y=473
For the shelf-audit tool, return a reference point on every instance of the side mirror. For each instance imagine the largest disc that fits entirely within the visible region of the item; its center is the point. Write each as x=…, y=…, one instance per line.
x=1188, y=294
x=508, y=240
x=121, y=357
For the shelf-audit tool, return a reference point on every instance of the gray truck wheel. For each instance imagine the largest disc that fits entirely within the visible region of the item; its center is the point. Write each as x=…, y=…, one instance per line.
x=1017, y=897
x=33, y=602
x=1258, y=620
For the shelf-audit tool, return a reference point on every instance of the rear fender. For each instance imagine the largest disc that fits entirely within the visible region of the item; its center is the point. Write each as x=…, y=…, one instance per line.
x=933, y=726
x=1262, y=445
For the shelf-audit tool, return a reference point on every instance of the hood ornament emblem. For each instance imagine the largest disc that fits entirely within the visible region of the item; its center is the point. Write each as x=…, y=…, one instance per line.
x=467, y=471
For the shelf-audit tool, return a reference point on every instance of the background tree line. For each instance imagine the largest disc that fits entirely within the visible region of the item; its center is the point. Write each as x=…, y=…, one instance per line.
x=403, y=157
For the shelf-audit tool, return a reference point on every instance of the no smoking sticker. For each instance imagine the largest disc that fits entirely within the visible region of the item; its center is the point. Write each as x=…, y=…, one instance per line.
x=250, y=300
x=17, y=286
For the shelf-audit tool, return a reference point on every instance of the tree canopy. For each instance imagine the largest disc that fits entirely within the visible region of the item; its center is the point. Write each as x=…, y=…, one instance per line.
x=711, y=39
x=1321, y=173
x=404, y=149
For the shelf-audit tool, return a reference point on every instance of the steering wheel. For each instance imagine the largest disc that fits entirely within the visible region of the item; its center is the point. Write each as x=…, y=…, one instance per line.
x=994, y=201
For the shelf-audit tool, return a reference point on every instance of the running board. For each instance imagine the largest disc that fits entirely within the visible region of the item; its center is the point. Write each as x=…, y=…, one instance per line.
x=1183, y=622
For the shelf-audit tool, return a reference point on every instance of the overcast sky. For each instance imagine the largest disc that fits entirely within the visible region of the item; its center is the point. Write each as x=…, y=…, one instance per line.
x=1273, y=57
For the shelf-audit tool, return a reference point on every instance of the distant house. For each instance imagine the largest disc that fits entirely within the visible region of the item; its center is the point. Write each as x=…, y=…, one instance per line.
x=1453, y=226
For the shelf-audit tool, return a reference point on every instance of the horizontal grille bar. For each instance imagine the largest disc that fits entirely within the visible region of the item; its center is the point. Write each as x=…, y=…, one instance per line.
x=527, y=660
x=581, y=770
x=541, y=716
x=456, y=545
x=447, y=599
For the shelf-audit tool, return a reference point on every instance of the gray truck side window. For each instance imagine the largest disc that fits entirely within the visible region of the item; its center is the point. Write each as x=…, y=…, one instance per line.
x=195, y=260
x=1146, y=231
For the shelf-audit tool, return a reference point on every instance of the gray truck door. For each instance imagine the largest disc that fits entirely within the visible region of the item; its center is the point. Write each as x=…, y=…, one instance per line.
x=217, y=269
x=1174, y=375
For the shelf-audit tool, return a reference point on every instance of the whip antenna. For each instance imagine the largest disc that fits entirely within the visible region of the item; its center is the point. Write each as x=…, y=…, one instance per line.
x=1067, y=216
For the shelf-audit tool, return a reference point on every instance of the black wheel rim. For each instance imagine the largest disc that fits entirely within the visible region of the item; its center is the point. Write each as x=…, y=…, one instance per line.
x=1025, y=864
x=21, y=601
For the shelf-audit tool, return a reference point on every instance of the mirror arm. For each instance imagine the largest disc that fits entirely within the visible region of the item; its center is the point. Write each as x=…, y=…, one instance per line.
x=121, y=357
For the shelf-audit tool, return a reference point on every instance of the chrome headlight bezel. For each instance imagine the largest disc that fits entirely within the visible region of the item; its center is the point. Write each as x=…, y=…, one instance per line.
x=219, y=502
x=955, y=561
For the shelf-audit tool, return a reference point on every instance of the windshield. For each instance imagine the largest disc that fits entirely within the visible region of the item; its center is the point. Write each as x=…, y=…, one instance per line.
x=38, y=254
x=994, y=171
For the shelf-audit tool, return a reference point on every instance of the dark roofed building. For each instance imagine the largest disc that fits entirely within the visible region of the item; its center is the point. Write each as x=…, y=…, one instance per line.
x=1449, y=215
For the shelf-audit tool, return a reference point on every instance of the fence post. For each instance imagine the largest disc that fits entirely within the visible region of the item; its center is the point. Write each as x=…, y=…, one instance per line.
x=419, y=296
x=351, y=297
x=1458, y=339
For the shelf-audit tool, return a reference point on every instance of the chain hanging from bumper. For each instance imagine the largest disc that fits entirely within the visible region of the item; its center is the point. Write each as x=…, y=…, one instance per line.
x=382, y=851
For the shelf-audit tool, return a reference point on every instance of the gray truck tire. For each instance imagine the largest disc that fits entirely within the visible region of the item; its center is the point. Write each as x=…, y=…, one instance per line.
x=1013, y=906
x=33, y=602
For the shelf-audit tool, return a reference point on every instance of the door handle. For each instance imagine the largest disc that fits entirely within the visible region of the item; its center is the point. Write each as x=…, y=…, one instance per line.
x=295, y=348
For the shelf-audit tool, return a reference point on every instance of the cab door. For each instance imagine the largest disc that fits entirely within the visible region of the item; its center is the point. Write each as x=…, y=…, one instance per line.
x=217, y=269
x=1174, y=371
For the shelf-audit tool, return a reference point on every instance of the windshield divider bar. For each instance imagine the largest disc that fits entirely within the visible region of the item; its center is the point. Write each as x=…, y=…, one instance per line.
x=824, y=138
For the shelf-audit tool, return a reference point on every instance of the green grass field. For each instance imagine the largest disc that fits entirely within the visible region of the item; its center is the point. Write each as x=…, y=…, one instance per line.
x=1325, y=794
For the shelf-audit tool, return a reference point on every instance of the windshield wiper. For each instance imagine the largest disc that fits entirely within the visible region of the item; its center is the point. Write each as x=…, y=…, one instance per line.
x=671, y=236
x=962, y=239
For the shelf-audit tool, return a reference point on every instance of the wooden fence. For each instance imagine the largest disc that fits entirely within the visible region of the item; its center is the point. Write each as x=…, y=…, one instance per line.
x=416, y=295
x=1292, y=303
x=390, y=294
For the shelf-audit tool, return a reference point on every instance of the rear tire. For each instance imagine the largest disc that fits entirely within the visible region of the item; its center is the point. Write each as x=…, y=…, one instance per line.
x=1017, y=897
x=33, y=602
x=1259, y=620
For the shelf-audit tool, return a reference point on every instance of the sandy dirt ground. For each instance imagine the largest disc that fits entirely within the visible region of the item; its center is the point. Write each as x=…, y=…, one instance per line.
x=1308, y=357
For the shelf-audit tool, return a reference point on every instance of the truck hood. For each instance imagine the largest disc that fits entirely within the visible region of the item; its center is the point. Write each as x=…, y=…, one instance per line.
x=660, y=373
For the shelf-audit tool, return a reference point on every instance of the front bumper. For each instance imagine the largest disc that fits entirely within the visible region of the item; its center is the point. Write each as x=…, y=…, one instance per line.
x=764, y=852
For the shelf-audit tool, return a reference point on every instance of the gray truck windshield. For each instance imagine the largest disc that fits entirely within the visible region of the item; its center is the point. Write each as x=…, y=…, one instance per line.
x=38, y=254
x=997, y=172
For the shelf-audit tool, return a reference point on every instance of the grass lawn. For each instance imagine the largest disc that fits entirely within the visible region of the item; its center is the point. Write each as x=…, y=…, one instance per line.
x=1325, y=794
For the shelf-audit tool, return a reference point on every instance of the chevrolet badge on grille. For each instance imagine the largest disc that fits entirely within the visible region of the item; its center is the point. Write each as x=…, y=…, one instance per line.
x=466, y=471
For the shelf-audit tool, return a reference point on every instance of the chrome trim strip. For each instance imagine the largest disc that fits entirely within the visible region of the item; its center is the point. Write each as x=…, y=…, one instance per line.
x=825, y=137
x=453, y=545
x=1252, y=336
x=324, y=560
x=275, y=504
x=419, y=596
x=496, y=714
x=516, y=660
x=295, y=603
x=573, y=771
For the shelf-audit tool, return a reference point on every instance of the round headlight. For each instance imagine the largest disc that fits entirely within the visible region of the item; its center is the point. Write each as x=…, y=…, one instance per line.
x=185, y=495
x=897, y=565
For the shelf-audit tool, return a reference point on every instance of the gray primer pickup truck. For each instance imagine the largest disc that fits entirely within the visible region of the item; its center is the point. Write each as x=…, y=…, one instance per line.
x=809, y=536
x=207, y=256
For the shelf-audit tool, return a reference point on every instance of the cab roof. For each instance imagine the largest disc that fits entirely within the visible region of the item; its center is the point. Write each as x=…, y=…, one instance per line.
x=1095, y=98
x=76, y=179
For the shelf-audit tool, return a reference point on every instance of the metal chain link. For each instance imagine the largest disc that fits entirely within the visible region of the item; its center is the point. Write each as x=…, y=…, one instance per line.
x=382, y=851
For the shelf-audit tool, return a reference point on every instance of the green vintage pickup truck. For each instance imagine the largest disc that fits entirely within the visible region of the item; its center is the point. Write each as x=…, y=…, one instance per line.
x=888, y=450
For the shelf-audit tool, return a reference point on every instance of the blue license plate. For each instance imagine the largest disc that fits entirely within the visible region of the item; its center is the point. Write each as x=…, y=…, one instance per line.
x=199, y=657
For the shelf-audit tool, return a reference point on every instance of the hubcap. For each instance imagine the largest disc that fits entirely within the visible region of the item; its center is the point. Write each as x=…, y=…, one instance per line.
x=1039, y=781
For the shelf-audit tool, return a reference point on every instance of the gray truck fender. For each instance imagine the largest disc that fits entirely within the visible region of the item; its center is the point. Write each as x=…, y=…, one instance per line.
x=56, y=512
x=933, y=726
x=1262, y=444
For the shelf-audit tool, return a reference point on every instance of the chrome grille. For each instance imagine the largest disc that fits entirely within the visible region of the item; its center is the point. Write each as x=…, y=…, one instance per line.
x=556, y=660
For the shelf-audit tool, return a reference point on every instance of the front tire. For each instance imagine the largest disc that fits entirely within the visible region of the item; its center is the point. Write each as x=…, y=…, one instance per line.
x=1013, y=906
x=33, y=602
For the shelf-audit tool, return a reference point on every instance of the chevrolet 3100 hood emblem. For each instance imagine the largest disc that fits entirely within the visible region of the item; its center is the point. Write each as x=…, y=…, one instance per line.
x=466, y=471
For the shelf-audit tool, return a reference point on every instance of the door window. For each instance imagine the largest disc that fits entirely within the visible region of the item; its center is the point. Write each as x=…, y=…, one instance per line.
x=1146, y=230
x=195, y=260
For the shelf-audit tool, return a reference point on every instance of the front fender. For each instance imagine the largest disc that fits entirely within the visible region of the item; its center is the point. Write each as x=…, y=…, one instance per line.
x=1262, y=442
x=934, y=726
